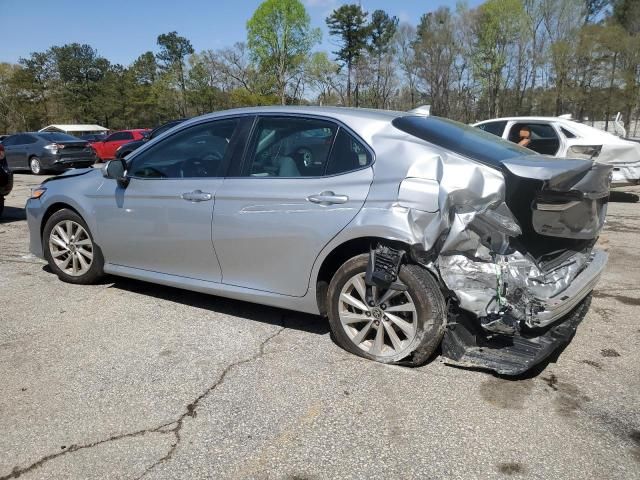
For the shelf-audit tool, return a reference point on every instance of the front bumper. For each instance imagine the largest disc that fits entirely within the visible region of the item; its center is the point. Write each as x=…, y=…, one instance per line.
x=625, y=174
x=34, y=212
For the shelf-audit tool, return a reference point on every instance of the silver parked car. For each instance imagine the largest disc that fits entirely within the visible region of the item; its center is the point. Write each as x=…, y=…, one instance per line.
x=408, y=231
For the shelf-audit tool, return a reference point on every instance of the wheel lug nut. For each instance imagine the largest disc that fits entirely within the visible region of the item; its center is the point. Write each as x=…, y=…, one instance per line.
x=368, y=314
x=377, y=322
x=371, y=304
x=383, y=306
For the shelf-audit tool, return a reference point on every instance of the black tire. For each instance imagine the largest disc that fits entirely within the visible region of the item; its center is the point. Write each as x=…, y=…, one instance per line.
x=35, y=166
x=429, y=304
x=95, y=271
x=1, y=205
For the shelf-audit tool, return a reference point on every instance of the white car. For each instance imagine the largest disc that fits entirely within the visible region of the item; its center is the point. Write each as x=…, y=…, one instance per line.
x=562, y=137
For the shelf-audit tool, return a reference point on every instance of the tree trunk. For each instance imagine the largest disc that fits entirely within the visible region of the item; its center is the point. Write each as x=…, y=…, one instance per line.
x=348, y=83
x=611, y=80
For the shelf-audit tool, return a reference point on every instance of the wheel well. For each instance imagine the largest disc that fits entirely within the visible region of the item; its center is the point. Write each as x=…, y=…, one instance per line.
x=337, y=257
x=53, y=209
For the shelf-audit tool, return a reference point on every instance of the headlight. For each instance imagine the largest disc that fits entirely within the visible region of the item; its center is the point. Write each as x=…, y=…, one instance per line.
x=584, y=151
x=37, y=192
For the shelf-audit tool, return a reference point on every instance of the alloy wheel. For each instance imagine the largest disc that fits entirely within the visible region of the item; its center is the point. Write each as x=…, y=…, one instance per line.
x=71, y=248
x=383, y=324
x=34, y=165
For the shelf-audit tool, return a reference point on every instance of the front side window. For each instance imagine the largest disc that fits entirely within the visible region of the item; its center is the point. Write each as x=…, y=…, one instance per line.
x=539, y=137
x=496, y=128
x=290, y=147
x=197, y=151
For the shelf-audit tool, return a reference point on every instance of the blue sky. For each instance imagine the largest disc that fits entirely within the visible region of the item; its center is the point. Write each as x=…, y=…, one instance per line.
x=121, y=30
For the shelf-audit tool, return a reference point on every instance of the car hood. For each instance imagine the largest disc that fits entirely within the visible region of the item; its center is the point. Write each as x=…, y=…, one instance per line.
x=76, y=172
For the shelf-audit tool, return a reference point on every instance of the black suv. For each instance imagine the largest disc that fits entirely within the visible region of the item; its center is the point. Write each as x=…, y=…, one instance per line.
x=6, y=178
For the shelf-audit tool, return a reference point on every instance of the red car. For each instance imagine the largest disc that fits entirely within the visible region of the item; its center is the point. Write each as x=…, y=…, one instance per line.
x=106, y=149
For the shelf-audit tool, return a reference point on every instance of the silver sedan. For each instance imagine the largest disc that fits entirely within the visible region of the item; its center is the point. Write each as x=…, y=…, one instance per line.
x=409, y=232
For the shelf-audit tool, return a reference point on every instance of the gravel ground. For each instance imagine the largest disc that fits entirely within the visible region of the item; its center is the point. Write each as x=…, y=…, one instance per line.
x=127, y=379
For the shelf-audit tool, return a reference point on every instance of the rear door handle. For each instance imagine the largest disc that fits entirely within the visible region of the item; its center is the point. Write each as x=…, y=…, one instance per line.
x=327, y=198
x=196, y=196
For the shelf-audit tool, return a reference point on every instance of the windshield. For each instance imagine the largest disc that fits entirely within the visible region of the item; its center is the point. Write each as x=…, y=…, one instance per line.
x=463, y=139
x=57, y=137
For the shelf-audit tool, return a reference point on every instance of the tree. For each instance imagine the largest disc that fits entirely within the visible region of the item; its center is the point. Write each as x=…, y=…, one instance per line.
x=174, y=49
x=382, y=29
x=80, y=71
x=349, y=24
x=280, y=38
x=405, y=38
x=497, y=26
x=322, y=74
x=436, y=51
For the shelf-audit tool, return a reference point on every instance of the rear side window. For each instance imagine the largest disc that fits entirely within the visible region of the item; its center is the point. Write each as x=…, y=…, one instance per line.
x=120, y=136
x=495, y=128
x=10, y=141
x=567, y=133
x=459, y=138
x=348, y=154
x=57, y=137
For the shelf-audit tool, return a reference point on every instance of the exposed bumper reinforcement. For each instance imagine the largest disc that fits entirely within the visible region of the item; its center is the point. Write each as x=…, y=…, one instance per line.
x=558, y=306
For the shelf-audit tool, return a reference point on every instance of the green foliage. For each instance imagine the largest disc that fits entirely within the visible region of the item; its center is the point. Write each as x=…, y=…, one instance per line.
x=280, y=38
x=503, y=57
x=349, y=24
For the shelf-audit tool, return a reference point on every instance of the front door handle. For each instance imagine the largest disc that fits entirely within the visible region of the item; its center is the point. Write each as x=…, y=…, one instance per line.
x=196, y=196
x=327, y=198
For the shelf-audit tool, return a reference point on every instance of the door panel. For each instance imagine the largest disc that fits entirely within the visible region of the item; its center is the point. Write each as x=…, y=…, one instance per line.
x=269, y=231
x=149, y=225
x=162, y=220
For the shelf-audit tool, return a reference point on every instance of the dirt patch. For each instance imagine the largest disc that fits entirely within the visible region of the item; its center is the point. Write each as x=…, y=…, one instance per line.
x=609, y=352
x=551, y=381
x=620, y=298
x=506, y=394
x=510, y=468
x=595, y=365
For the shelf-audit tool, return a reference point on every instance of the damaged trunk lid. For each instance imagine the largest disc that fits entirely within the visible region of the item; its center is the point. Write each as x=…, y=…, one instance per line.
x=560, y=204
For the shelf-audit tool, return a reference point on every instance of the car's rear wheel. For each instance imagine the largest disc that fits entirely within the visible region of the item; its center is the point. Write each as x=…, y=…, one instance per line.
x=70, y=250
x=395, y=326
x=35, y=165
x=1, y=205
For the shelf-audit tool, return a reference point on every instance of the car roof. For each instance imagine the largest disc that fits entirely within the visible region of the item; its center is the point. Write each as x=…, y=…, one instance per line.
x=529, y=119
x=333, y=112
x=358, y=119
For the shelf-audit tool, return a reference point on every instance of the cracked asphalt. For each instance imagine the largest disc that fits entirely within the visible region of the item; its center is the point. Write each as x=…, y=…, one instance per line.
x=131, y=380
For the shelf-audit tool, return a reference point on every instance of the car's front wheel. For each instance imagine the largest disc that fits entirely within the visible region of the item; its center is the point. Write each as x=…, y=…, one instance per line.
x=394, y=326
x=70, y=250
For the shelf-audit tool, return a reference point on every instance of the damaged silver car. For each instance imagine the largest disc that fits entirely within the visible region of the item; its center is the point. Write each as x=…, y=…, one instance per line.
x=407, y=231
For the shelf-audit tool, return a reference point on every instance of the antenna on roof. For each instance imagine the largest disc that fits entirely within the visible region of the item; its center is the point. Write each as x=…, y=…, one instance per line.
x=424, y=110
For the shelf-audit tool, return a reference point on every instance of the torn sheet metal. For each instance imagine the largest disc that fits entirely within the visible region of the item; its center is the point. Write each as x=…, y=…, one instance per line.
x=475, y=242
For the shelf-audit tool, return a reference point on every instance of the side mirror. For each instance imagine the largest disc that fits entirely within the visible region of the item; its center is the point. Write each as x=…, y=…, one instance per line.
x=117, y=170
